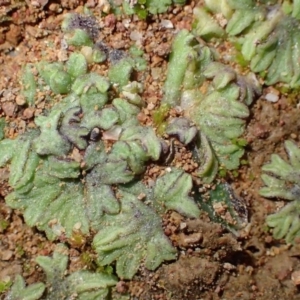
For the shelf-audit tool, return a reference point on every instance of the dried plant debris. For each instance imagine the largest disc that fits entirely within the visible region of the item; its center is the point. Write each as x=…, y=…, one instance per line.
x=266, y=34
x=223, y=206
x=281, y=180
x=78, y=285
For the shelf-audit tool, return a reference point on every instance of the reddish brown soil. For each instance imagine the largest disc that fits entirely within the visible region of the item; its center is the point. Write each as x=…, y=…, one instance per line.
x=212, y=263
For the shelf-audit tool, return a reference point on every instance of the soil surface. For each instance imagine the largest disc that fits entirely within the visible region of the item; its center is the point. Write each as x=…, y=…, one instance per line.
x=212, y=263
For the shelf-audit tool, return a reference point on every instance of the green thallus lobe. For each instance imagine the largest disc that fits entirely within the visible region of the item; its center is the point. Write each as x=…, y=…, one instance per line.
x=267, y=35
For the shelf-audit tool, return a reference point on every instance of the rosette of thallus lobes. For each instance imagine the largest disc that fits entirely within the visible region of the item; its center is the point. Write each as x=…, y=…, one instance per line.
x=215, y=98
x=78, y=175
x=62, y=175
x=281, y=180
x=79, y=171
x=266, y=34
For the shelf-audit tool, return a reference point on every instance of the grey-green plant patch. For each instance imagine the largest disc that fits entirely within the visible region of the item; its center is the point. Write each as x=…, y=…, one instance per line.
x=81, y=285
x=281, y=180
x=80, y=172
x=267, y=35
x=215, y=97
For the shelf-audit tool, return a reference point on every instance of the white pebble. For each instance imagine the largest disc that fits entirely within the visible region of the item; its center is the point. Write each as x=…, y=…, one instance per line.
x=271, y=97
x=166, y=24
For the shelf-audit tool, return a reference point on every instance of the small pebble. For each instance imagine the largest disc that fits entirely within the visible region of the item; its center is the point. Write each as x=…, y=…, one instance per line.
x=28, y=113
x=6, y=255
x=296, y=277
x=293, y=136
x=272, y=97
x=9, y=108
x=166, y=24
x=20, y=100
x=136, y=35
